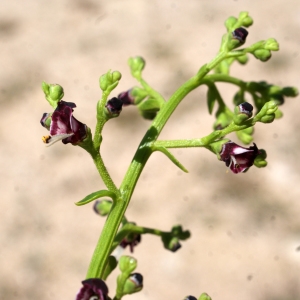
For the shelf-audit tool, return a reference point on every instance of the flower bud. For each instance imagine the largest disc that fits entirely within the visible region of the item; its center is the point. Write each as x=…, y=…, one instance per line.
x=136, y=65
x=223, y=118
x=102, y=207
x=204, y=296
x=126, y=98
x=230, y=22
x=113, y=107
x=127, y=264
x=245, y=135
x=53, y=93
x=267, y=118
x=271, y=44
x=290, y=91
x=240, y=34
x=170, y=243
x=133, y=284
x=242, y=113
x=138, y=94
x=237, y=38
x=109, y=81
x=243, y=59
x=190, y=298
x=149, y=108
x=262, y=54
x=260, y=160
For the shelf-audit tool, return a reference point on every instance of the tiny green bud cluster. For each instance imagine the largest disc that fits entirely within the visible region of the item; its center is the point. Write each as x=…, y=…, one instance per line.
x=53, y=93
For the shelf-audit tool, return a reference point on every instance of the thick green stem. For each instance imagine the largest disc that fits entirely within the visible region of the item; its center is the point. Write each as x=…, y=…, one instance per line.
x=140, y=158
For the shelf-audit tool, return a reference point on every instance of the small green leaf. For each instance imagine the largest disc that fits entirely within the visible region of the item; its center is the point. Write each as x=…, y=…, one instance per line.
x=93, y=196
x=172, y=158
x=211, y=95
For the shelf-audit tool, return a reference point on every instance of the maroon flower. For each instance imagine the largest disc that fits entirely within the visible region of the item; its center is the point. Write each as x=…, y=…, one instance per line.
x=132, y=240
x=93, y=288
x=126, y=98
x=237, y=158
x=63, y=126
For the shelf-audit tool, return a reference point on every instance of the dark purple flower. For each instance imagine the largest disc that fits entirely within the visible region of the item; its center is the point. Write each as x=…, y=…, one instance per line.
x=240, y=34
x=93, y=288
x=63, y=126
x=237, y=158
x=114, y=106
x=131, y=240
x=126, y=98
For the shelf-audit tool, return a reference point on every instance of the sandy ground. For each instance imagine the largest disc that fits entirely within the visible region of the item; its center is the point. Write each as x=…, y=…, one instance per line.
x=245, y=228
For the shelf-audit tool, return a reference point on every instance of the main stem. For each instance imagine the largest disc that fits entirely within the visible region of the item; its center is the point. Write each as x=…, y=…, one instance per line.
x=104, y=245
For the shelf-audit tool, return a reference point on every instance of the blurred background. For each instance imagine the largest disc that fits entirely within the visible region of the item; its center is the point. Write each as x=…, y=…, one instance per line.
x=245, y=241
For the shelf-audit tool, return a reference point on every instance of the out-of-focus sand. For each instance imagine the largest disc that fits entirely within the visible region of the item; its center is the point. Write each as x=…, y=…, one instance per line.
x=245, y=228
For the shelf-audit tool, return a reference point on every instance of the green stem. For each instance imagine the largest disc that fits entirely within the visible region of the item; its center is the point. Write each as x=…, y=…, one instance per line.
x=114, y=219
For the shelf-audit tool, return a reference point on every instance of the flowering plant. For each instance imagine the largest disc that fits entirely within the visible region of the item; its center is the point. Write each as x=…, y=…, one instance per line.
x=118, y=231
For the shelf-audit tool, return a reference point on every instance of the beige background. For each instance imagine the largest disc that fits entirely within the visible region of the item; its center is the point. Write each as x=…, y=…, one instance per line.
x=245, y=228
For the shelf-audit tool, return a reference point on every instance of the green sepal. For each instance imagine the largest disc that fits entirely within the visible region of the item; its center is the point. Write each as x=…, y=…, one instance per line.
x=223, y=118
x=93, y=196
x=204, y=296
x=212, y=96
x=172, y=158
x=110, y=266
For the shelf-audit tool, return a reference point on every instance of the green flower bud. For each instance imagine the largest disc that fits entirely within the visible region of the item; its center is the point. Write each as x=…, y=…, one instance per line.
x=238, y=98
x=149, y=108
x=290, y=91
x=53, y=93
x=278, y=114
x=109, y=81
x=223, y=118
x=230, y=23
x=271, y=107
x=260, y=160
x=262, y=54
x=103, y=207
x=267, y=118
x=170, y=243
x=127, y=264
x=133, y=284
x=245, y=135
x=204, y=296
x=245, y=19
x=243, y=59
x=274, y=89
x=138, y=94
x=136, y=65
x=271, y=44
